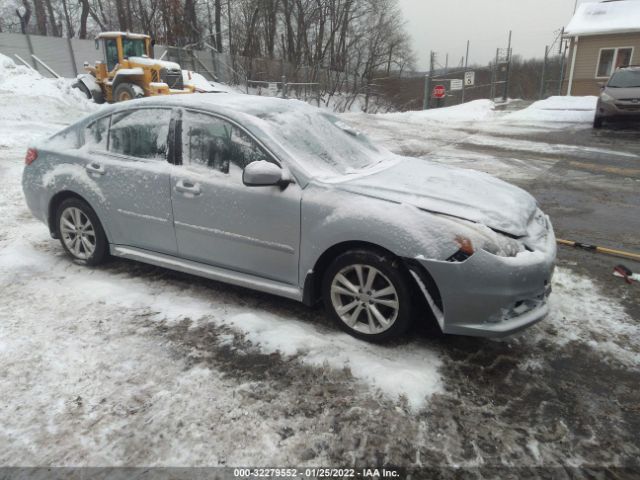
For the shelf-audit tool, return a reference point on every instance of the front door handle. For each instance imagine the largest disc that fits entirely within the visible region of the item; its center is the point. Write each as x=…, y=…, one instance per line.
x=94, y=167
x=187, y=187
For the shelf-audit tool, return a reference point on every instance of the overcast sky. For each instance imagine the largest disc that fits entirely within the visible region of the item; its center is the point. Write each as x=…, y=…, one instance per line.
x=445, y=26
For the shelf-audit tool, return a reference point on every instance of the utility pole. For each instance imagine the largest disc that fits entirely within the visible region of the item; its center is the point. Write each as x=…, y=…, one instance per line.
x=544, y=71
x=427, y=84
x=466, y=64
x=494, y=76
x=506, y=80
x=563, y=54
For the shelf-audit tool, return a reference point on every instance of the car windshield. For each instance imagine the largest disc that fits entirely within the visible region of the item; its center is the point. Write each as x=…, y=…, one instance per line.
x=323, y=142
x=625, y=79
x=133, y=47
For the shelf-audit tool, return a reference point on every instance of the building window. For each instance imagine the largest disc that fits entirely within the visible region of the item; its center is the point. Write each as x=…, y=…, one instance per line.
x=612, y=59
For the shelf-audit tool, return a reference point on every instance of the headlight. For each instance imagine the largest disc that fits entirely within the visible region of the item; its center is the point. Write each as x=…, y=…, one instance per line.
x=464, y=252
x=605, y=97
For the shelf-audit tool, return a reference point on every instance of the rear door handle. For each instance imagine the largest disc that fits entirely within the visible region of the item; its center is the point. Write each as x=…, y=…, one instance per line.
x=188, y=187
x=94, y=167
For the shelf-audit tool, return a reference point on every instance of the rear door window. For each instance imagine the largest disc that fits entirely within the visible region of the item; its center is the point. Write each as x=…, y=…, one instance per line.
x=96, y=134
x=140, y=133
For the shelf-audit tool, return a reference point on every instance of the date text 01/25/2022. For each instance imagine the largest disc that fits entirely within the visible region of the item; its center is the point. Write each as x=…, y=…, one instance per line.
x=366, y=473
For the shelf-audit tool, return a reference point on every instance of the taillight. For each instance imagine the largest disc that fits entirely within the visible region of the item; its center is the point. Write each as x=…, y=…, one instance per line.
x=32, y=155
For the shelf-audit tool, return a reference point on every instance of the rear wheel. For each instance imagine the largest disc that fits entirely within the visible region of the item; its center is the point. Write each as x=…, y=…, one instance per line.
x=598, y=122
x=368, y=295
x=127, y=91
x=81, y=233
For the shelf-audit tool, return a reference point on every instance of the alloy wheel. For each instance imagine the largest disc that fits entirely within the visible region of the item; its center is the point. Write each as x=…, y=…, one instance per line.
x=365, y=299
x=78, y=233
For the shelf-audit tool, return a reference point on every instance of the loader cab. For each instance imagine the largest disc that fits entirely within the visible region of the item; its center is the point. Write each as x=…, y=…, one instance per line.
x=120, y=46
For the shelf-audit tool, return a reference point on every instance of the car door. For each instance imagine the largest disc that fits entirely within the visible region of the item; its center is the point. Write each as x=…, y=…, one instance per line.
x=220, y=221
x=131, y=169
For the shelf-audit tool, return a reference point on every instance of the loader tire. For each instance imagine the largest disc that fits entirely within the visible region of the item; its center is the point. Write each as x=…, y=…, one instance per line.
x=126, y=91
x=83, y=88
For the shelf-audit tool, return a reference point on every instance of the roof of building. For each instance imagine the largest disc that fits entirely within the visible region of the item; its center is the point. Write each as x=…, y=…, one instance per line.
x=602, y=18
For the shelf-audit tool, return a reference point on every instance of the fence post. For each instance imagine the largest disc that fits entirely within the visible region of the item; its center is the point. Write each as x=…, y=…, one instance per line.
x=427, y=85
x=284, y=86
x=544, y=71
x=73, y=57
x=464, y=75
x=505, y=95
x=31, y=52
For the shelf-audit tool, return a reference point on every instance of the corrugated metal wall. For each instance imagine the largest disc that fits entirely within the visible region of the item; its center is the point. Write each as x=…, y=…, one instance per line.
x=67, y=56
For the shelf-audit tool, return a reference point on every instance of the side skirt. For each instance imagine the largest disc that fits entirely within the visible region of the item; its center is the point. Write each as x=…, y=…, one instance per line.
x=207, y=271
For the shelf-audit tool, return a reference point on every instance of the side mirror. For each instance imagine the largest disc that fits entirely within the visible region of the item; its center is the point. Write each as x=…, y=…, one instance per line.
x=262, y=174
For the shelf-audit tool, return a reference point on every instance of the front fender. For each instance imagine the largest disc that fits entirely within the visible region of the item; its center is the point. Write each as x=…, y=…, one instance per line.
x=332, y=216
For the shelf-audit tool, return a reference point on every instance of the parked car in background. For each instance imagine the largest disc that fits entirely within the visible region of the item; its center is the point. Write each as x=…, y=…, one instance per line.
x=620, y=97
x=282, y=197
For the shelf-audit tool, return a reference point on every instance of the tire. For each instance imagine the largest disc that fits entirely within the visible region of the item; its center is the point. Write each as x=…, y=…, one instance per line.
x=91, y=247
x=98, y=97
x=598, y=122
x=126, y=91
x=347, y=284
x=83, y=88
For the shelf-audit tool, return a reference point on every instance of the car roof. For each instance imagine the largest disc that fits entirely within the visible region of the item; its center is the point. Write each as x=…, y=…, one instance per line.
x=236, y=106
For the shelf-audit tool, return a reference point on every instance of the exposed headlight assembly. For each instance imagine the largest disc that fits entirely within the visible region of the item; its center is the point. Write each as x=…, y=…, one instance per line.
x=464, y=252
x=605, y=97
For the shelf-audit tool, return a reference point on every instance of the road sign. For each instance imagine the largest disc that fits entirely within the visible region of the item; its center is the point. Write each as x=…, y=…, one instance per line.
x=455, y=85
x=439, y=91
x=469, y=79
x=273, y=88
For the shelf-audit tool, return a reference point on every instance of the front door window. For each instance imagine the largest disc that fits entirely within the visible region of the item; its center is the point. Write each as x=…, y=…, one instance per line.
x=216, y=144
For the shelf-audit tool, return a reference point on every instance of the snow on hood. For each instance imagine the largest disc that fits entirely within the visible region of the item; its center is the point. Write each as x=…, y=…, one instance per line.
x=461, y=193
x=152, y=61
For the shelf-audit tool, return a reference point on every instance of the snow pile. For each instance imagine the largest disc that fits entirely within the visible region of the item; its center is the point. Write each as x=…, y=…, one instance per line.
x=475, y=111
x=580, y=312
x=33, y=105
x=605, y=17
x=556, y=110
x=410, y=371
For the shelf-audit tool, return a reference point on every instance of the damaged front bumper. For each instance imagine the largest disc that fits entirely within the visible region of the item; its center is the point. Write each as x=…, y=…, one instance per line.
x=491, y=296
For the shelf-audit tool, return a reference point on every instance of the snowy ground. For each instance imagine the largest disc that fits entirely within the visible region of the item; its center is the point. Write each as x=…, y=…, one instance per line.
x=134, y=365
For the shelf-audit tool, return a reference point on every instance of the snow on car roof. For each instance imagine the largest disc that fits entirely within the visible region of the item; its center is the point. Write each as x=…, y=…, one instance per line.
x=598, y=18
x=231, y=104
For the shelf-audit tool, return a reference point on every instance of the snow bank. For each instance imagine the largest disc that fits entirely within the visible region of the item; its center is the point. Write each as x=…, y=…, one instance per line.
x=35, y=106
x=474, y=111
x=580, y=312
x=556, y=110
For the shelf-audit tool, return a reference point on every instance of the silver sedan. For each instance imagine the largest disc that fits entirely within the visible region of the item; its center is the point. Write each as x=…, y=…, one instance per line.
x=281, y=197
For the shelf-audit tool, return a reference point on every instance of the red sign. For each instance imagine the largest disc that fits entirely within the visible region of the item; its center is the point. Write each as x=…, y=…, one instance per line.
x=439, y=91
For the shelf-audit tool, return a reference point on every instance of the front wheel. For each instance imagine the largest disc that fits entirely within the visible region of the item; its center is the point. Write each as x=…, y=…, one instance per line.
x=368, y=295
x=127, y=91
x=81, y=233
x=83, y=88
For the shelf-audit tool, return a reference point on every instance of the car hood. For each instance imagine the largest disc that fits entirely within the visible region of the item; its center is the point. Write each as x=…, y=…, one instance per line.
x=456, y=192
x=623, y=93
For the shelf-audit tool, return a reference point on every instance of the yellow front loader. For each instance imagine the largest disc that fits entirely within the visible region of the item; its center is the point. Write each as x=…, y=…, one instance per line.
x=128, y=71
